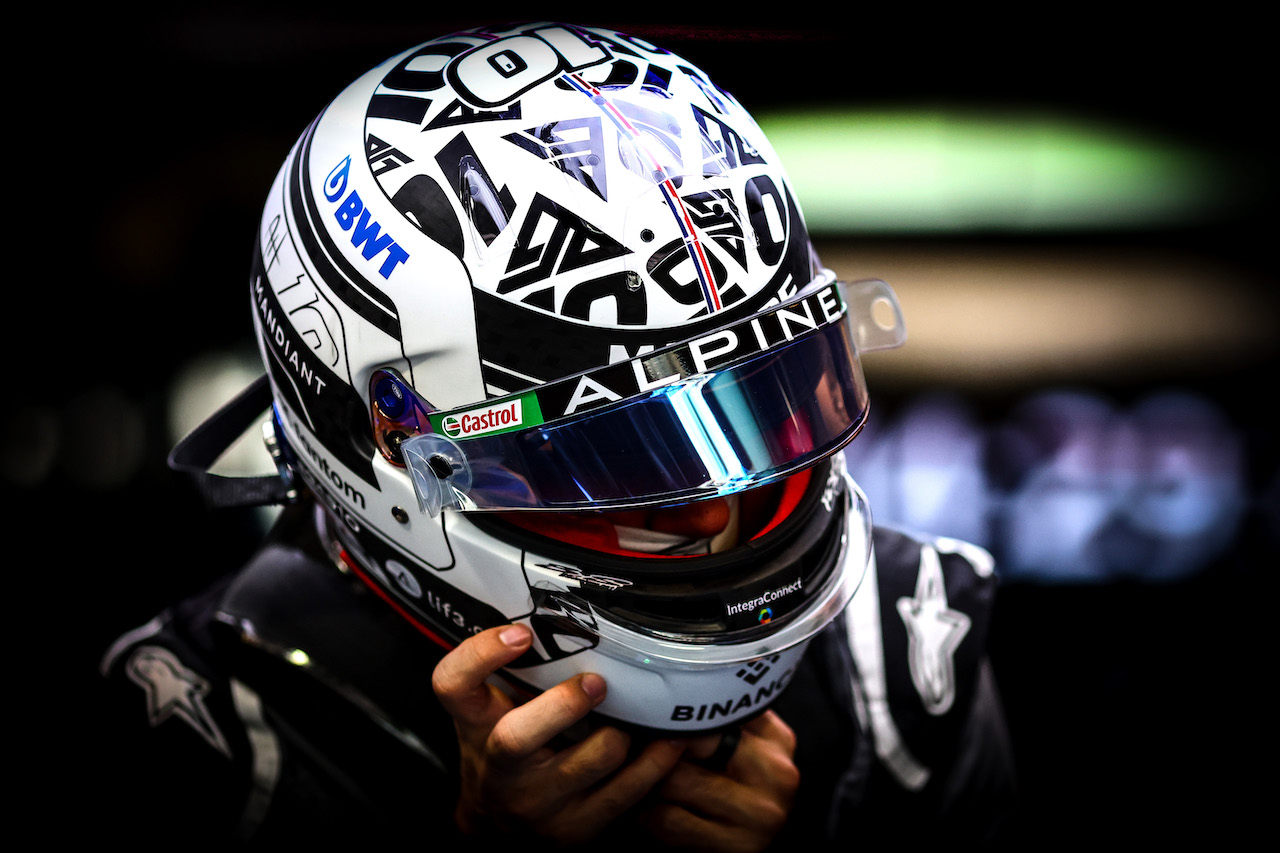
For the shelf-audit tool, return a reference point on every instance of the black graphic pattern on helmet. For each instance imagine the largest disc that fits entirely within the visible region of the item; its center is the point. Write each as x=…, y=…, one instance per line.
x=601, y=195
x=517, y=354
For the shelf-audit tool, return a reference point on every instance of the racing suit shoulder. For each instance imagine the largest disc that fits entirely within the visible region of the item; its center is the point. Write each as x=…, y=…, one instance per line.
x=169, y=727
x=933, y=607
x=929, y=753
x=272, y=705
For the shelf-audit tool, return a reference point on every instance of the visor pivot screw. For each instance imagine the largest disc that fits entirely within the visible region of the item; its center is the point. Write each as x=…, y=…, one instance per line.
x=394, y=439
x=400, y=515
x=440, y=466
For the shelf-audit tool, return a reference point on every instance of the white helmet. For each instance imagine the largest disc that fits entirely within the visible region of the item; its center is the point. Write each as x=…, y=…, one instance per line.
x=512, y=279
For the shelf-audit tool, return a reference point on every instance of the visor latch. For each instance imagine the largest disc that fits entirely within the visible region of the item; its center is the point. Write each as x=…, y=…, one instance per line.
x=439, y=470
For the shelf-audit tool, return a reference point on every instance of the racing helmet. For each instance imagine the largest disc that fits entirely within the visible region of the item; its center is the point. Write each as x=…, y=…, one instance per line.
x=517, y=284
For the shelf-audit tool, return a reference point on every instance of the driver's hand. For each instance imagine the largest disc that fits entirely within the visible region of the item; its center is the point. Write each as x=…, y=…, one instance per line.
x=742, y=807
x=513, y=779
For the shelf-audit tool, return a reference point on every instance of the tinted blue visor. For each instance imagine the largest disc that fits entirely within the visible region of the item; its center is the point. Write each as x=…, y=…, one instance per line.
x=737, y=408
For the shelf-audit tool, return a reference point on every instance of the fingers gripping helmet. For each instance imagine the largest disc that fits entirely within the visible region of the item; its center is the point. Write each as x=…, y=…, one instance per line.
x=514, y=280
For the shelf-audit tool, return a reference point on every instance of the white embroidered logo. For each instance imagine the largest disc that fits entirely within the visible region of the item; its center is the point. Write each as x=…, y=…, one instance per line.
x=934, y=633
x=174, y=689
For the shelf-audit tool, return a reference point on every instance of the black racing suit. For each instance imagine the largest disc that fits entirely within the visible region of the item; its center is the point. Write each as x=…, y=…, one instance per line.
x=289, y=704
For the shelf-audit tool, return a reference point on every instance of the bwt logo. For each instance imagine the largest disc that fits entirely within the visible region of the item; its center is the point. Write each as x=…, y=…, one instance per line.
x=353, y=216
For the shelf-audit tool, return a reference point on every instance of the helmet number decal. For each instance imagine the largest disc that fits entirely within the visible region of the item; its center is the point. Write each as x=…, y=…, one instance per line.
x=501, y=71
x=484, y=74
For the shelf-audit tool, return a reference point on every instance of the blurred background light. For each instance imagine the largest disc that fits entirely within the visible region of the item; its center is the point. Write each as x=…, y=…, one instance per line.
x=919, y=171
x=992, y=315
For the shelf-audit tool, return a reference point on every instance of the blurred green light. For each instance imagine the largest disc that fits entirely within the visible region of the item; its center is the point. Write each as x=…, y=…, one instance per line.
x=952, y=171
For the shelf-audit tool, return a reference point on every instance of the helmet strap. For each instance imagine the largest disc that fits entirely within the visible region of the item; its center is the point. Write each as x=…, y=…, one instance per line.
x=197, y=453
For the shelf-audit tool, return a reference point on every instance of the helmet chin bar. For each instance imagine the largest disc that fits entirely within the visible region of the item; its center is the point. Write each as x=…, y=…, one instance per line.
x=670, y=684
x=665, y=683
x=838, y=546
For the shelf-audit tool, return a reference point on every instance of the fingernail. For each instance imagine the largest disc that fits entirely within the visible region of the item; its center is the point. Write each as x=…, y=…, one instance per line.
x=516, y=635
x=593, y=685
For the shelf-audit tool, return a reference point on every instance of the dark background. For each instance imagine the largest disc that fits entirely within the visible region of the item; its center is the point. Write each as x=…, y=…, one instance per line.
x=1135, y=707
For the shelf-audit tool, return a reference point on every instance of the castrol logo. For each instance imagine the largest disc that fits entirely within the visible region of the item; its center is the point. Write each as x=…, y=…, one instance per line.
x=499, y=418
x=483, y=421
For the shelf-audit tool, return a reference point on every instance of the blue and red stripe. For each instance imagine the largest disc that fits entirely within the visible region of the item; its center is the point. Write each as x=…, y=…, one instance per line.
x=691, y=240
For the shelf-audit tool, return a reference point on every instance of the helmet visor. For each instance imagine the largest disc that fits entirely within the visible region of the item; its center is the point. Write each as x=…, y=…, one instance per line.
x=742, y=406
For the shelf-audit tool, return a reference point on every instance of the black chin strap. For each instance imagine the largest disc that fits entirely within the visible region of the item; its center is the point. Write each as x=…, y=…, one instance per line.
x=196, y=453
